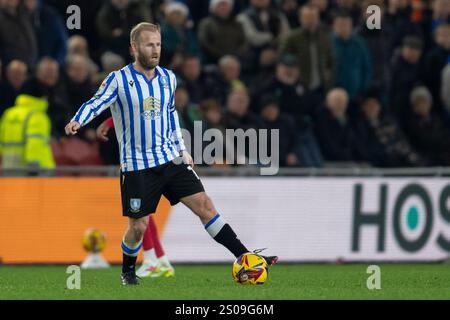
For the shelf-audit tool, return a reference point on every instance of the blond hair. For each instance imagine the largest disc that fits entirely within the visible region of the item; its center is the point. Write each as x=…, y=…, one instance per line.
x=143, y=26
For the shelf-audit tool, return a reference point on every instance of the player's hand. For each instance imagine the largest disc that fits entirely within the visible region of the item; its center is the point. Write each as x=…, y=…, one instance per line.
x=102, y=132
x=187, y=159
x=72, y=128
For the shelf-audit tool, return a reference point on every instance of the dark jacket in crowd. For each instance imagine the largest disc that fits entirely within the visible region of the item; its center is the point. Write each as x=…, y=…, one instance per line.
x=339, y=141
x=403, y=78
x=435, y=62
x=51, y=33
x=8, y=96
x=430, y=137
x=290, y=98
x=287, y=136
x=398, y=26
x=109, y=19
x=219, y=37
x=353, y=65
x=299, y=44
x=17, y=39
x=387, y=145
x=183, y=41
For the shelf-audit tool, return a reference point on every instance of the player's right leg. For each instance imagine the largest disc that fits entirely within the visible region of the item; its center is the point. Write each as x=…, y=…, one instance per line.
x=141, y=191
x=131, y=245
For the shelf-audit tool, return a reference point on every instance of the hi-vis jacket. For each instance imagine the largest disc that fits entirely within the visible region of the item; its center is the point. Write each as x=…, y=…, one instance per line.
x=25, y=135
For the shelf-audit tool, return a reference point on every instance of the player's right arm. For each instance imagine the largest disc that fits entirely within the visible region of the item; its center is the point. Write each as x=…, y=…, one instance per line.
x=106, y=95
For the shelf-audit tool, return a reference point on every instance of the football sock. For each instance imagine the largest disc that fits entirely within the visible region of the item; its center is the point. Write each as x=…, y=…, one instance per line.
x=154, y=234
x=147, y=242
x=129, y=256
x=224, y=234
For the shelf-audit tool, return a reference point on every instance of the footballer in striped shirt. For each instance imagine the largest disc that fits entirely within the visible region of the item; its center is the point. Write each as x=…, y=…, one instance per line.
x=141, y=99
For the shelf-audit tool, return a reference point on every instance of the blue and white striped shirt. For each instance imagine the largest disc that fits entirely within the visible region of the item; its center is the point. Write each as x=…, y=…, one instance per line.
x=145, y=119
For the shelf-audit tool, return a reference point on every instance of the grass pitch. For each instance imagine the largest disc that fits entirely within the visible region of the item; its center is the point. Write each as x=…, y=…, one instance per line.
x=286, y=282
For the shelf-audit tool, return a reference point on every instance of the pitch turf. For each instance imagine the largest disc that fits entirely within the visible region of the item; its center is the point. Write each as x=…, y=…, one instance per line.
x=403, y=281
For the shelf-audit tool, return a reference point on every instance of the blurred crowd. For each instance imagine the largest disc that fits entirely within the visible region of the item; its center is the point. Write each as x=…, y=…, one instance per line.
x=339, y=92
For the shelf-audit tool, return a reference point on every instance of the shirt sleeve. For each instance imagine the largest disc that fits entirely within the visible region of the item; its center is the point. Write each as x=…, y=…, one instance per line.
x=106, y=95
x=174, y=121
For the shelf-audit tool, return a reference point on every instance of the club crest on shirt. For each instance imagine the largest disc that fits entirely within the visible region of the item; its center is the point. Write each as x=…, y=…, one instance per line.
x=135, y=205
x=152, y=107
x=164, y=82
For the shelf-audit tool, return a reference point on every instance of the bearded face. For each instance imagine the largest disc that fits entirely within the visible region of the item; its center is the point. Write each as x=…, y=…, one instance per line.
x=147, y=50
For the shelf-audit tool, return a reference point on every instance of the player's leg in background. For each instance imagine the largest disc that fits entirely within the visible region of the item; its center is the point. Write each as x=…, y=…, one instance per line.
x=214, y=224
x=150, y=261
x=132, y=243
x=165, y=268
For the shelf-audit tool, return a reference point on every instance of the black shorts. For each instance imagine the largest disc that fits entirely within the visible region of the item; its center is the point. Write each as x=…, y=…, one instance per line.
x=141, y=190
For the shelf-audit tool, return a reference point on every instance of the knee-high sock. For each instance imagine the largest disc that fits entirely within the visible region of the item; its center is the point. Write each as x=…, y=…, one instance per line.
x=222, y=232
x=129, y=256
x=155, y=237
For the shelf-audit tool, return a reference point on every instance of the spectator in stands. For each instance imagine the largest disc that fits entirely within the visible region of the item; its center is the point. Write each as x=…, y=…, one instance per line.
x=191, y=76
x=325, y=10
x=311, y=44
x=78, y=45
x=78, y=84
x=353, y=64
x=47, y=79
x=115, y=20
x=337, y=136
x=267, y=62
x=263, y=25
x=290, y=9
x=238, y=115
x=285, y=85
x=50, y=30
x=404, y=75
x=397, y=23
x=226, y=79
x=426, y=129
x=15, y=76
x=353, y=7
x=177, y=34
x=386, y=143
x=445, y=92
x=273, y=119
x=220, y=34
x=436, y=60
x=375, y=40
x=17, y=37
x=438, y=14
x=188, y=112
x=212, y=115
x=212, y=118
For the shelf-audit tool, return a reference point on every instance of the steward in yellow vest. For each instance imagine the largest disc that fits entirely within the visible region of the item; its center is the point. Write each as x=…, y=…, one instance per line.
x=25, y=132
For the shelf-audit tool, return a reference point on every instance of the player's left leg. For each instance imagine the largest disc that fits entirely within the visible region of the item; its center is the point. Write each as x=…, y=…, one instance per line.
x=214, y=224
